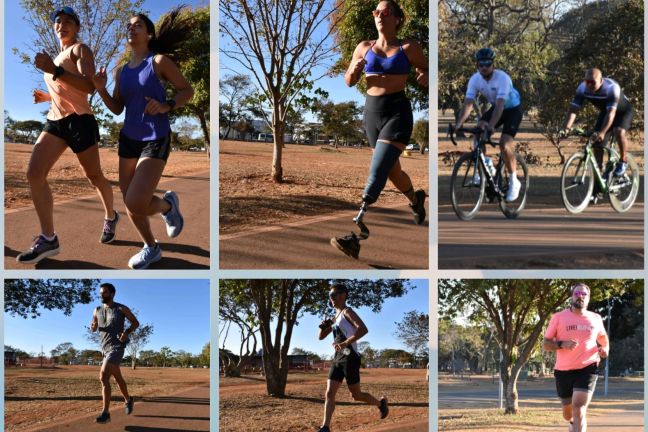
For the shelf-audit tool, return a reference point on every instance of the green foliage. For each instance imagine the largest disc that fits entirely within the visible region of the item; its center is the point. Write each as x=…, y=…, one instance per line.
x=354, y=23
x=137, y=340
x=414, y=331
x=340, y=120
x=25, y=297
x=421, y=133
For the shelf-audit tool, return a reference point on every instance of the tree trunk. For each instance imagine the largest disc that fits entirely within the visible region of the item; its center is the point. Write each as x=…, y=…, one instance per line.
x=278, y=129
x=509, y=381
x=276, y=376
x=205, y=130
x=134, y=363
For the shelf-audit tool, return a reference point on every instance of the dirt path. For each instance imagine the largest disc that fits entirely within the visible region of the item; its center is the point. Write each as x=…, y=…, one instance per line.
x=184, y=411
x=395, y=242
x=78, y=224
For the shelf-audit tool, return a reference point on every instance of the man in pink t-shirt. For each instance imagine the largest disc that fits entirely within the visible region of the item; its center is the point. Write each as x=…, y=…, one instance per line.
x=579, y=339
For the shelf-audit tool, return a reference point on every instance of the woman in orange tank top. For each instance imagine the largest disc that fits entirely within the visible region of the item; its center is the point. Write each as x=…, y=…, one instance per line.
x=70, y=123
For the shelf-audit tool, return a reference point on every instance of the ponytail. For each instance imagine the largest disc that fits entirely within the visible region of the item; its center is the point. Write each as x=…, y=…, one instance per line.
x=174, y=29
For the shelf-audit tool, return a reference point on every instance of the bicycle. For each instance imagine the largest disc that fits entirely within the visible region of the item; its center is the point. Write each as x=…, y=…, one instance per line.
x=581, y=172
x=472, y=181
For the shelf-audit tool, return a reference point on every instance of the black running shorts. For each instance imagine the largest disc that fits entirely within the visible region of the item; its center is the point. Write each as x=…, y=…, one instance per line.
x=388, y=117
x=133, y=149
x=345, y=366
x=575, y=380
x=511, y=119
x=80, y=132
x=622, y=119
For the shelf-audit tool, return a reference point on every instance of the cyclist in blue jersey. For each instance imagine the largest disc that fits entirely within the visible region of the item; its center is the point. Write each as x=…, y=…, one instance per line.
x=497, y=87
x=615, y=113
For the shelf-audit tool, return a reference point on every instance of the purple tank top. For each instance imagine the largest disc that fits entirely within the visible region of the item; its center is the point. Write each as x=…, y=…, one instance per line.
x=134, y=85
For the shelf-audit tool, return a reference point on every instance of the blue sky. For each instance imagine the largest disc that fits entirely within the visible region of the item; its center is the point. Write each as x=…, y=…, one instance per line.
x=381, y=326
x=21, y=79
x=335, y=86
x=178, y=310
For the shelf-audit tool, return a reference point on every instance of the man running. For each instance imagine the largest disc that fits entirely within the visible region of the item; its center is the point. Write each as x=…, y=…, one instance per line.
x=580, y=341
x=615, y=113
x=109, y=320
x=347, y=328
x=496, y=86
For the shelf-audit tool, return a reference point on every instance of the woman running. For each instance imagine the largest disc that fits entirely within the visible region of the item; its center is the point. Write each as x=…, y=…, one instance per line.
x=388, y=119
x=145, y=139
x=70, y=123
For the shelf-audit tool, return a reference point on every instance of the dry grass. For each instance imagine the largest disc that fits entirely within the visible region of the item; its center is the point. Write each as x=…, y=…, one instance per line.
x=42, y=396
x=302, y=408
x=67, y=179
x=317, y=180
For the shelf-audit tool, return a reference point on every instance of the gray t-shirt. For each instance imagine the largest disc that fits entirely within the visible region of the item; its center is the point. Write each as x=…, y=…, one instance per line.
x=111, y=325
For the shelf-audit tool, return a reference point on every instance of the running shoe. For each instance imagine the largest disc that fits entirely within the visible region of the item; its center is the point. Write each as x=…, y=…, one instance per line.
x=109, y=228
x=349, y=245
x=384, y=408
x=513, y=190
x=39, y=250
x=418, y=209
x=173, y=218
x=620, y=168
x=144, y=258
x=324, y=429
x=103, y=418
x=128, y=406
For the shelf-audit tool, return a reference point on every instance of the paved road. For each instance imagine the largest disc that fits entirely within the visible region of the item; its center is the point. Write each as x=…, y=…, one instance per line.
x=185, y=411
x=395, y=242
x=599, y=238
x=79, y=222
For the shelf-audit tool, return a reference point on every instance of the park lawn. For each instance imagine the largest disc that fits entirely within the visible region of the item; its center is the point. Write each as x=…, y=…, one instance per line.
x=67, y=179
x=38, y=397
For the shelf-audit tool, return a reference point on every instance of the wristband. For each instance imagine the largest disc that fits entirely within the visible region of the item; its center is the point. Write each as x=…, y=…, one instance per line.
x=171, y=103
x=58, y=71
x=559, y=344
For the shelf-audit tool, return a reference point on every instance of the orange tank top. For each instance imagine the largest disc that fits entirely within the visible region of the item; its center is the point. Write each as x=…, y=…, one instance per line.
x=65, y=99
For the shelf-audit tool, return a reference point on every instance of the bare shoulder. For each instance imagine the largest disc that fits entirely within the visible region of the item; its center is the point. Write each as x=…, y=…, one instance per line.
x=362, y=48
x=162, y=60
x=81, y=50
x=411, y=44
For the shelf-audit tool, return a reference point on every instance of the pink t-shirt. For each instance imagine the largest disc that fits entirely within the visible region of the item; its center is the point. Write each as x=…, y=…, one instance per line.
x=586, y=329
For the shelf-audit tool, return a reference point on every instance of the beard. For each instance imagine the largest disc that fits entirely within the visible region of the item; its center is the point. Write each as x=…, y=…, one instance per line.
x=105, y=300
x=578, y=304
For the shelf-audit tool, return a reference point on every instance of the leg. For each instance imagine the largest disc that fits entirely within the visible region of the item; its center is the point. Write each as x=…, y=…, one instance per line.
x=580, y=401
x=332, y=387
x=116, y=372
x=91, y=165
x=106, y=393
x=622, y=139
x=46, y=152
x=402, y=181
x=507, y=146
x=384, y=158
x=360, y=396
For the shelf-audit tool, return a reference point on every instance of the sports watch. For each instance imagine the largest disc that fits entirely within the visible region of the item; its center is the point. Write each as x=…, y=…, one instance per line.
x=171, y=103
x=58, y=71
x=559, y=344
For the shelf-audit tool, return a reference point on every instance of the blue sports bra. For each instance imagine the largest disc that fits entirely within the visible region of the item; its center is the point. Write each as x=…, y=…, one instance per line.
x=398, y=64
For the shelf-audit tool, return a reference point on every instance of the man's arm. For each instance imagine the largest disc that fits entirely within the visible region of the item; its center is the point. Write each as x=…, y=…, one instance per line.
x=325, y=328
x=571, y=116
x=465, y=113
x=94, y=324
x=361, y=328
x=131, y=318
x=607, y=123
x=497, y=114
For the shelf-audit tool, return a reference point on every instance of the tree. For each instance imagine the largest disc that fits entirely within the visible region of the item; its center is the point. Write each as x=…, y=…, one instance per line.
x=235, y=91
x=24, y=297
x=311, y=355
x=26, y=131
x=103, y=29
x=65, y=352
x=194, y=65
x=414, y=331
x=183, y=358
x=421, y=134
x=352, y=23
x=280, y=44
x=166, y=355
x=280, y=304
x=518, y=310
x=20, y=354
x=205, y=355
x=339, y=120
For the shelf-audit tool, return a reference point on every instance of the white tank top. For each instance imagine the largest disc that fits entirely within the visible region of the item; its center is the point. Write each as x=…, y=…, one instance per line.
x=343, y=329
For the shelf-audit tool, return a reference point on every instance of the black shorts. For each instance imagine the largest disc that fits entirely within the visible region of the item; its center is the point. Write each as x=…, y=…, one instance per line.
x=578, y=379
x=388, y=117
x=345, y=366
x=80, y=132
x=622, y=119
x=133, y=149
x=511, y=119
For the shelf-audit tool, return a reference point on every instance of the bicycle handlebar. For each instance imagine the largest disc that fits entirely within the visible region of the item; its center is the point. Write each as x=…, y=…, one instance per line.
x=473, y=131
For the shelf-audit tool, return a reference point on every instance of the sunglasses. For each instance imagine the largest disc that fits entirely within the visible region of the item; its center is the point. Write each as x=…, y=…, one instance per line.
x=590, y=82
x=581, y=293
x=378, y=12
x=334, y=294
x=486, y=63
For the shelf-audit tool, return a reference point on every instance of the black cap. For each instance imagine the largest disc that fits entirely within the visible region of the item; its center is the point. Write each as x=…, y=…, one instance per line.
x=65, y=10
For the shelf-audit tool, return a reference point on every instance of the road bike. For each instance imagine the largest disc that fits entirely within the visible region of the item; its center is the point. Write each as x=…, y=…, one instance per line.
x=472, y=181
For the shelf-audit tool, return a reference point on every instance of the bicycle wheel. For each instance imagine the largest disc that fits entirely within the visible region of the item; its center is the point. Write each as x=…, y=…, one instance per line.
x=467, y=187
x=623, y=190
x=512, y=209
x=576, y=183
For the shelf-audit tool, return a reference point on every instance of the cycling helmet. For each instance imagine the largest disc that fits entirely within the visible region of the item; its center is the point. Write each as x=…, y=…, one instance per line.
x=485, y=54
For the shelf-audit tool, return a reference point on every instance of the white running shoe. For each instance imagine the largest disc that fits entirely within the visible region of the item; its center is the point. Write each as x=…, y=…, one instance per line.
x=513, y=190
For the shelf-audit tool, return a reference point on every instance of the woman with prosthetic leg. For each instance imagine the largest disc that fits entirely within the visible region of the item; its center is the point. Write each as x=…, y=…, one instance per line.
x=388, y=119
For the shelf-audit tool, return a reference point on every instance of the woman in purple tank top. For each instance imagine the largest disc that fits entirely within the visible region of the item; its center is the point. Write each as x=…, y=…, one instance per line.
x=388, y=120
x=145, y=139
